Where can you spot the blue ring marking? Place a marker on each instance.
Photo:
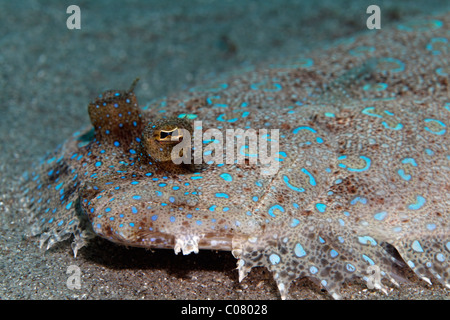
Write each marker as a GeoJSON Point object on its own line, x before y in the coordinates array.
{"type": "Point", "coordinates": [358, 199]}
{"type": "Point", "coordinates": [313, 270]}
{"type": "Point", "coordinates": [221, 118]}
{"type": "Point", "coordinates": [69, 205]}
{"type": "Point", "coordinates": [380, 215]}
{"type": "Point", "coordinates": [410, 161]}
{"type": "Point", "coordinates": [137, 197]}
{"type": "Point", "coordinates": [273, 208]}
{"type": "Point", "coordinates": [367, 259]}
{"type": "Point", "coordinates": [431, 226]}
{"type": "Point", "coordinates": [376, 87]}
{"type": "Point", "coordinates": [350, 267]}
{"type": "Point", "coordinates": [107, 210]}
{"type": "Point", "coordinates": [420, 201]}
{"type": "Point", "coordinates": [59, 186]}
{"type": "Point", "coordinates": [401, 65]}
{"type": "Point", "coordinates": [366, 159]}
{"type": "Point", "coordinates": [440, 133]}
{"type": "Point", "coordinates": [304, 128]}
{"type": "Point", "coordinates": [134, 210]}
{"type": "Point", "coordinates": [241, 151]}
{"type": "Point", "coordinates": [365, 240]}
{"type": "Point", "coordinates": [416, 246]}
{"type": "Point", "coordinates": [312, 181]}
{"type": "Point", "coordinates": [399, 126]}
{"type": "Point", "coordinates": [367, 112]}
{"type": "Point", "coordinates": [116, 143]}
{"type": "Point", "coordinates": [227, 177]}
{"type": "Point", "coordinates": [404, 176]}
{"type": "Point", "coordinates": [286, 181]}
{"type": "Point", "coordinates": [299, 251]}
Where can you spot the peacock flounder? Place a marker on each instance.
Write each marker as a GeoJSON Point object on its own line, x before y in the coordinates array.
{"type": "Point", "coordinates": [362, 166]}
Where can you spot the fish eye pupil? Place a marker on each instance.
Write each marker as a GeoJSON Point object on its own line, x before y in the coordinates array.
{"type": "Point", "coordinates": [172, 135]}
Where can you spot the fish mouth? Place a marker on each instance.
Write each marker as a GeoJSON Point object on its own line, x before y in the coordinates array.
{"type": "Point", "coordinates": [182, 242]}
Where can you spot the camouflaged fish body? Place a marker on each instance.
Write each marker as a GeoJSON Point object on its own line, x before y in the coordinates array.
{"type": "Point", "coordinates": [363, 167]}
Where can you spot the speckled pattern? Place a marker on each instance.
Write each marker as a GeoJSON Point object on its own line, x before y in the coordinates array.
{"type": "Point", "coordinates": [363, 154]}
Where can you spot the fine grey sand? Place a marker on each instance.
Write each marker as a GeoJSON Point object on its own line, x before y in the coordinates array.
{"type": "Point", "coordinates": [50, 73]}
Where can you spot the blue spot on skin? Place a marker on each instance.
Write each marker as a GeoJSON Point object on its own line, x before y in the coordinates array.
{"type": "Point", "coordinates": [226, 177]}
{"type": "Point", "coordinates": [286, 181]}
{"type": "Point", "coordinates": [334, 253]}
{"type": "Point", "coordinates": [313, 270]}
{"type": "Point", "coordinates": [321, 207]}
{"type": "Point", "coordinates": [222, 195]}
{"type": "Point", "coordinates": [312, 181]}
{"type": "Point", "coordinates": [134, 210]}
{"type": "Point", "coordinates": [136, 197]}
{"type": "Point", "coordinates": [420, 201]}
{"type": "Point", "coordinates": [416, 246]}
{"type": "Point", "coordinates": [116, 143]}
{"type": "Point", "coordinates": [274, 258]}
{"type": "Point", "coordinates": [295, 222]}
{"type": "Point", "coordinates": [107, 209]}
{"type": "Point", "coordinates": [98, 163]}
{"type": "Point", "coordinates": [380, 215]}
{"type": "Point", "coordinates": [69, 205]}
{"type": "Point", "coordinates": [299, 251]}
{"type": "Point", "coordinates": [367, 240]}
{"type": "Point", "coordinates": [172, 219]}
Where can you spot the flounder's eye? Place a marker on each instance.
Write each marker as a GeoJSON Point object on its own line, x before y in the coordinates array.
{"type": "Point", "coordinates": [160, 137]}
{"type": "Point", "coordinates": [171, 135]}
